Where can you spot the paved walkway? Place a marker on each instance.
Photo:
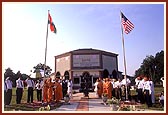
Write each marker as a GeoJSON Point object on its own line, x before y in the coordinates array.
{"type": "Point", "coordinates": [81, 103]}
{"type": "Point", "coordinates": [84, 104]}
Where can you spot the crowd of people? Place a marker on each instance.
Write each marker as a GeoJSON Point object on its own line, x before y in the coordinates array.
{"type": "Point", "coordinates": [47, 90]}
{"type": "Point", "coordinates": [146, 92]}
{"type": "Point", "coordinates": [143, 86]}
{"type": "Point", "coordinates": [111, 87]}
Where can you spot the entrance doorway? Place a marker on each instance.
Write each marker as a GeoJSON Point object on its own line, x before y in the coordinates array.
{"type": "Point", "coordinates": [86, 78]}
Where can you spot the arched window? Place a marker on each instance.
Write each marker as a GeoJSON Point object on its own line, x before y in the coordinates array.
{"type": "Point", "coordinates": [114, 74]}
{"type": "Point", "coordinates": [66, 75]}
{"type": "Point", "coordinates": [105, 73]}
{"type": "Point", "coordinates": [58, 75]}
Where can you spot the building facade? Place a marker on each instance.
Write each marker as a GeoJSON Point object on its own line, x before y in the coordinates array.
{"type": "Point", "coordinates": [92, 63]}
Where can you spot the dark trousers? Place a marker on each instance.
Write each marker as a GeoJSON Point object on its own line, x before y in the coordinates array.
{"type": "Point", "coordinates": [119, 93]}
{"type": "Point", "coordinates": [140, 95]}
{"type": "Point", "coordinates": [30, 95]}
{"type": "Point", "coordinates": [39, 94]}
{"type": "Point", "coordinates": [19, 93]}
{"type": "Point", "coordinates": [162, 103]}
{"type": "Point", "coordinates": [148, 98]}
{"type": "Point", "coordinates": [64, 91]}
{"type": "Point", "coordinates": [8, 96]}
{"type": "Point", "coordinates": [113, 92]}
{"type": "Point", "coordinates": [5, 96]}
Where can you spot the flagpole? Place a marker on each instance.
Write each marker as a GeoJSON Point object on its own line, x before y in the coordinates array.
{"type": "Point", "coordinates": [125, 70]}
{"type": "Point", "coordinates": [46, 46]}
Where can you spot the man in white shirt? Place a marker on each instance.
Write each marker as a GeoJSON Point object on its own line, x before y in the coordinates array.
{"type": "Point", "coordinates": [115, 87]}
{"type": "Point", "coordinates": [113, 90]}
{"type": "Point", "coordinates": [119, 88]}
{"type": "Point", "coordinates": [70, 85]}
{"type": "Point", "coordinates": [125, 82]}
{"type": "Point", "coordinates": [19, 90]}
{"type": "Point", "coordinates": [39, 85]}
{"type": "Point", "coordinates": [139, 85]}
{"type": "Point", "coordinates": [30, 86]}
{"type": "Point", "coordinates": [9, 90]}
{"type": "Point", "coordinates": [95, 87]}
{"type": "Point", "coordinates": [147, 91]}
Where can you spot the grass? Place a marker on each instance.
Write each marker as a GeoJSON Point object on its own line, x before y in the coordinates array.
{"type": "Point", "coordinates": [24, 106]}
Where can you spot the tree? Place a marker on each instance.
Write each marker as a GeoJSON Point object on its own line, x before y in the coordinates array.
{"type": "Point", "coordinates": [159, 58]}
{"type": "Point", "coordinates": [8, 73]}
{"type": "Point", "coordinates": [138, 72]}
{"type": "Point", "coordinates": [40, 67]}
{"type": "Point", "coordinates": [148, 66]}
{"type": "Point", "coordinates": [152, 67]}
{"type": "Point", "coordinates": [24, 77]}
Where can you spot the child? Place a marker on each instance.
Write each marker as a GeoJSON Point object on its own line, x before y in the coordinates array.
{"type": "Point", "coordinates": [161, 99]}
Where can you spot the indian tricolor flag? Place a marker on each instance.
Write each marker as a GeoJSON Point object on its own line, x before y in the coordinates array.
{"type": "Point", "coordinates": [52, 26]}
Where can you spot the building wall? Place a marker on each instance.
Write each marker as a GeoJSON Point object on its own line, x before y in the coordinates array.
{"type": "Point", "coordinates": [63, 64]}
{"type": "Point", "coordinates": [109, 63]}
{"type": "Point", "coordinates": [86, 61]}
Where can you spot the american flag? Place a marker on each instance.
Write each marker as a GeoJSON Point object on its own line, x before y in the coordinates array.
{"type": "Point", "coordinates": [127, 25]}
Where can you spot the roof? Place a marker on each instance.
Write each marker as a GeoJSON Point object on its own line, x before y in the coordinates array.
{"type": "Point", "coordinates": [86, 51]}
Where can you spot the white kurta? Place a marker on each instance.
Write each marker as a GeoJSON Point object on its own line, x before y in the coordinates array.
{"type": "Point", "coordinates": [69, 91]}
{"type": "Point", "coordinates": [95, 85]}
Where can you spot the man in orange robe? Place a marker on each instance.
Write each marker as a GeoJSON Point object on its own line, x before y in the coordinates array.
{"type": "Point", "coordinates": [100, 88]}
{"type": "Point", "coordinates": [45, 88]}
{"type": "Point", "coordinates": [49, 91]}
{"type": "Point", "coordinates": [105, 86]}
{"type": "Point", "coordinates": [109, 88]}
{"type": "Point", "coordinates": [58, 91]}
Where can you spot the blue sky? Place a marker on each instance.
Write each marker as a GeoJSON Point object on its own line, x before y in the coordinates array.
{"type": "Point", "coordinates": [79, 25]}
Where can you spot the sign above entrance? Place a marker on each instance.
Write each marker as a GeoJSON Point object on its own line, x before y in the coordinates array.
{"type": "Point", "coordinates": [86, 61]}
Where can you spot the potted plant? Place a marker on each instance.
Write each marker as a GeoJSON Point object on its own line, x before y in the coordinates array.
{"type": "Point", "coordinates": [104, 98]}
{"type": "Point", "coordinates": [127, 108]}
{"type": "Point", "coordinates": [47, 108]}
{"type": "Point", "coordinates": [66, 98]}
{"type": "Point", "coordinates": [114, 103]}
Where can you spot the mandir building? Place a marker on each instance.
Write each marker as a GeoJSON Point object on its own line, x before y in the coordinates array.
{"type": "Point", "coordinates": [92, 63]}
